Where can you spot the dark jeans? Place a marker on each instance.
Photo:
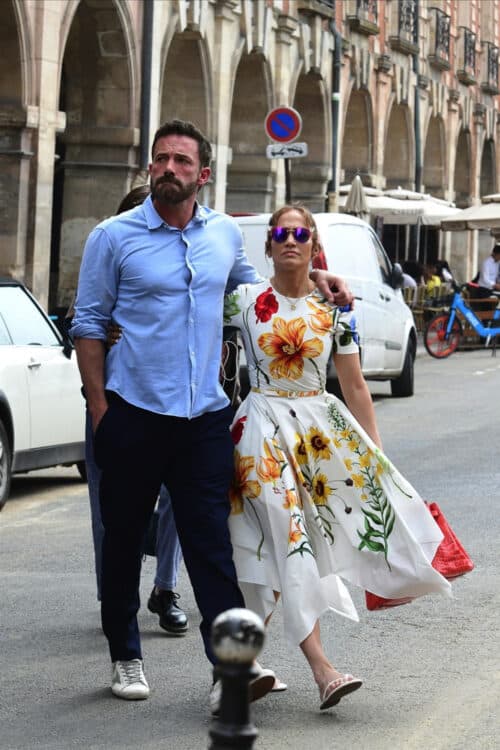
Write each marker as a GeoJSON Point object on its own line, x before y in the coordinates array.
{"type": "Point", "coordinates": [137, 451]}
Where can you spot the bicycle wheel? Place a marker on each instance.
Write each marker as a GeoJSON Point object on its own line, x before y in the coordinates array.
{"type": "Point", "coordinates": [437, 343]}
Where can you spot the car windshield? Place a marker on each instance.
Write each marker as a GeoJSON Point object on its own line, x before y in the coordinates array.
{"type": "Point", "coordinates": [24, 322]}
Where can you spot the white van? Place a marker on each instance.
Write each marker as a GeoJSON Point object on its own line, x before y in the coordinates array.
{"type": "Point", "coordinates": [353, 251]}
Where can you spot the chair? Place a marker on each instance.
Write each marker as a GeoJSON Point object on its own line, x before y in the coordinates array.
{"type": "Point", "coordinates": [419, 307]}
{"type": "Point", "coordinates": [409, 293]}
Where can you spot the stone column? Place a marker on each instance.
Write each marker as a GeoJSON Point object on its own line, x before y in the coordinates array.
{"type": "Point", "coordinates": [47, 120]}
{"type": "Point", "coordinates": [226, 34]}
{"type": "Point", "coordinates": [15, 158]}
{"type": "Point", "coordinates": [383, 93]}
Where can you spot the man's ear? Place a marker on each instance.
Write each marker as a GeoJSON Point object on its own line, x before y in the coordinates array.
{"type": "Point", "coordinates": [204, 176]}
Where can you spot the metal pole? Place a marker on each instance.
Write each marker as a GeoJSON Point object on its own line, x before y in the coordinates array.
{"type": "Point", "coordinates": [237, 638]}
{"type": "Point", "coordinates": [288, 182]}
{"type": "Point", "coordinates": [146, 62]}
{"type": "Point", "coordinates": [331, 197]}
{"type": "Point", "coordinates": [415, 229]}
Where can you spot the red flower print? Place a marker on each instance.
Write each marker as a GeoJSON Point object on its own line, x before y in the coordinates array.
{"type": "Point", "coordinates": [266, 305]}
{"type": "Point", "coordinates": [237, 430]}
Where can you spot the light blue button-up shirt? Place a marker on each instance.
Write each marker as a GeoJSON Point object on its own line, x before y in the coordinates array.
{"type": "Point", "coordinates": [165, 287]}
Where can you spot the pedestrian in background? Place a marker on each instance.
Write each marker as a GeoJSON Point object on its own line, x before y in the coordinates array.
{"type": "Point", "coordinates": [158, 410]}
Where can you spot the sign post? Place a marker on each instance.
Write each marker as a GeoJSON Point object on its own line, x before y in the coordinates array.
{"type": "Point", "coordinates": [283, 125]}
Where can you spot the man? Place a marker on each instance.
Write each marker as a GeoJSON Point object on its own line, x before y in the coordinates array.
{"type": "Point", "coordinates": [163, 599]}
{"type": "Point", "coordinates": [488, 275]}
{"type": "Point", "coordinates": [158, 410]}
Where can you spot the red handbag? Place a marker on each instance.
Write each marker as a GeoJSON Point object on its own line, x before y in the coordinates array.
{"type": "Point", "coordinates": [451, 560]}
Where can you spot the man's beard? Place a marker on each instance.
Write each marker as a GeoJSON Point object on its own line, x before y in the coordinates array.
{"type": "Point", "coordinates": [170, 192]}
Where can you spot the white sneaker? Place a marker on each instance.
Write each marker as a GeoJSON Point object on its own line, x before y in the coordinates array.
{"type": "Point", "coordinates": [128, 680]}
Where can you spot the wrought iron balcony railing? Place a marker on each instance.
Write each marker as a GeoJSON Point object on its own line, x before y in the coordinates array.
{"type": "Point", "coordinates": [489, 74]}
{"type": "Point", "coordinates": [362, 16]}
{"type": "Point", "coordinates": [404, 26]}
{"type": "Point", "coordinates": [439, 43]}
{"type": "Point", "coordinates": [466, 46]}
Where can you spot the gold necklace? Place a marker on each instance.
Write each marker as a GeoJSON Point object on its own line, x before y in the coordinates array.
{"type": "Point", "coordinates": [293, 301]}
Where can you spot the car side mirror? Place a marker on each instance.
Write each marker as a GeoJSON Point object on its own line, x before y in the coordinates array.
{"type": "Point", "coordinates": [68, 345]}
{"type": "Point", "coordinates": [396, 279]}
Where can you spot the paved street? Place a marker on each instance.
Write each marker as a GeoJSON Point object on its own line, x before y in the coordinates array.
{"type": "Point", "coordinates": [432, 678]}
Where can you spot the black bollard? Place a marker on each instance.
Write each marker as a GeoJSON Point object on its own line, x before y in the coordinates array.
{"type": "Point", "coordinates": [237, 638]}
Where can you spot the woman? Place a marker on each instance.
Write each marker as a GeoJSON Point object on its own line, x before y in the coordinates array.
{"type": "Point", "coordinates": [432, 280]}
{"type": "Point", "coordinates": [313, 496]}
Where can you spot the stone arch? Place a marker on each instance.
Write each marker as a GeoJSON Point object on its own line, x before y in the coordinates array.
{"type": "Point", "coordinates": [309, 175]}
{"type": "Point", "coordinates": [357, 157]}
{"type": "Point", "coordinates": [488, 178]}
{"type": "Point", "coordinates": [113, 9]}
{"type": "Point", "coordinates": [187, 97]}
{"type": "Point", "coordinates": [249, 179]}
{"type": "Point", "coordinates": [96, 65]}
{"type": "Point", "coordinates": [95, 157]}
{"type": "Point", "coordinates": [399, 152]}
{"type": "Point", "coordinates": [462, 181]}
{"type": "Point", "coordinates": [15, 139]}
{"type": "Point", "coordinates": [15, 36]}
{"type": "Point", "coordinates": [434, 176]}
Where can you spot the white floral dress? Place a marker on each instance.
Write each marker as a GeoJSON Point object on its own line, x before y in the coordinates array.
{"type": "Point", "coordinates": [314, 500]}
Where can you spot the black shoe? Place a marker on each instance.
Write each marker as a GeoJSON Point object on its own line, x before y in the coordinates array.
{"type": "Point", "coordinates": [172, 618]}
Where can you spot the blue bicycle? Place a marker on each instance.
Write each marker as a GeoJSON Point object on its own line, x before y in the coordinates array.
{"type": "Point", "coordinates": [444, 331]}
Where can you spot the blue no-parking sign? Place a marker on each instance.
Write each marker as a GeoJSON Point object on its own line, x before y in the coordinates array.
{"type": "Point", "coordinates": [283, 124]}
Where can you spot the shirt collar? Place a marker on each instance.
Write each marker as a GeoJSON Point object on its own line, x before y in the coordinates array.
{"type": "Point", "coordinates": [154, 220]}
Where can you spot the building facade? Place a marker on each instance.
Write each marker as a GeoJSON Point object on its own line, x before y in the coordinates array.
{"type": "Point", "coordinates": [401, 92]}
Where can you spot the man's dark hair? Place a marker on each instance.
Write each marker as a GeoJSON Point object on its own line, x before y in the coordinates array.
{"type": "Point", "coordinates": [183, 127]}
{"type": "Point", "coordinates": [496, 249]}
{"type": "Point", "coordinates": [136, 196]}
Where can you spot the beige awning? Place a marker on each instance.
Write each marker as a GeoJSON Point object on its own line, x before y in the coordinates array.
{"type": "Point", "coordinates": [407, 208]}
{"type": "Point", "coordinates": [486, 215]}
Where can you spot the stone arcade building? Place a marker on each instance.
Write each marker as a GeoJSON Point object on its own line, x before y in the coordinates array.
{"type": "Point", "coordinates": [84, 84]}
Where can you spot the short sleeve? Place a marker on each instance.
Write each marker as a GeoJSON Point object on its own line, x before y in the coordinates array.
{"type": "Point", "coordinates": [345, 333]}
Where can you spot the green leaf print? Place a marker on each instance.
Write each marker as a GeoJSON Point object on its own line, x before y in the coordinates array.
{"type": "Point", "coordinates": [335, 418]}
{"type": "Point", "coordinates": [379, 516]}
{"type": "Point", "coordinates": [347, 336]}
{"type": "Point", "coordinates": [302, 550]}
{"type": "Point", "coordinates": [231, 306]}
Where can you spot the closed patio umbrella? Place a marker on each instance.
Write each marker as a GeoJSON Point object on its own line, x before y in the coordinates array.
{"type": "Point", "coordinates": [356, 204]}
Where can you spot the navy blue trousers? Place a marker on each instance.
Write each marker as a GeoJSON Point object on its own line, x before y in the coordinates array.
{"type": "Point", "coordinates": [137, 451]}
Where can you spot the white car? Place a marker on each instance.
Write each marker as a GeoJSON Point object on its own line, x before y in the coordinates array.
{"type": "Point", "coordinates": [388, 338]}
{"type": "Point", "coordinates": [42, 410]}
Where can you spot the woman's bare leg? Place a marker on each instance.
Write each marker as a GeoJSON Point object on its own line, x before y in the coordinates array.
{"type": "Point", "coordinates": [323, 671]}
{"type": "Point", "coordinates": [278, 685]}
